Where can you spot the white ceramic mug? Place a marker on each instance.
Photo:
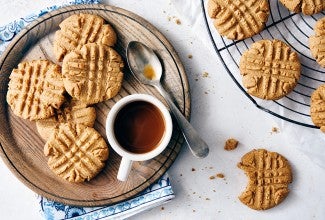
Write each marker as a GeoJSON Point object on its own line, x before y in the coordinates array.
{"type": "Point", "coordinates": [127, 156]}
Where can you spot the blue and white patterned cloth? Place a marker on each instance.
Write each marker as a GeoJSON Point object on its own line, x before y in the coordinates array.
{"type": "Point", "coordinates": [153, 196]}
{"type": "Point", "coordinates": [9, 31]}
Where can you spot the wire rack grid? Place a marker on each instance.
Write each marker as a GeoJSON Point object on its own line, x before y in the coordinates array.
{"type": "Point", "coordinates": [293, 29]}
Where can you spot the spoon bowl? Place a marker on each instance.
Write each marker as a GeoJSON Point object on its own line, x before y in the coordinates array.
{"type": "Point", "coordinates": [147, 69]}
{"type": "Point", "coordinates": [142, 59]}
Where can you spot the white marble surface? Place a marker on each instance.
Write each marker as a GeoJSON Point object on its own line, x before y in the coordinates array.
{"type": "Point", "coordinates": [219, 111]}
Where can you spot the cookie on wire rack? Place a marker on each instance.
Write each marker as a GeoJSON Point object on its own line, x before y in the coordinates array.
{"type": "Point", "coordinates": [270, 69]}
{"type": "Point", "coordinates": [80, 29]}
{"type": "Point", "coordinates": [269, 175]}
{"type": "Point", "coordinates": [317, 42]}
{"type": "Point", "coordinates": [93, 73]}
{"type": "Point", "coordinates": [239, 19]}
{"type": "Point", "coordinates": [35, 89]}
{"type": "Point", "coordinates": [317, 107]}
{"type": "Point", "coordinates": [307, 7]}
{"type": "Point", "coordinates": [76, 152]}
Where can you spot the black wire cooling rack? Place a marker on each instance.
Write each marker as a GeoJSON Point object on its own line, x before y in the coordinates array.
{"type": "Point", "coordinates": [292, 28]}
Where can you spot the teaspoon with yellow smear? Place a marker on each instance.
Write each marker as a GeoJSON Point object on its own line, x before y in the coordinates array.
{"type": "Point", "coordinates": [147, 69]}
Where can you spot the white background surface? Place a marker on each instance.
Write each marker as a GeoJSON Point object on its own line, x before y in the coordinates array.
{"type": "Point", "coordinates": [219, 111]}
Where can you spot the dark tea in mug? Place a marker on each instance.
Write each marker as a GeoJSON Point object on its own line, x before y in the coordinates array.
{"type": "Point", "coordinates": [139, 127]}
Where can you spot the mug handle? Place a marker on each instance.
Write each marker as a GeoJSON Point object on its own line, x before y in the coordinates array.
{"type": "Point", "coordinates": [125, 168]}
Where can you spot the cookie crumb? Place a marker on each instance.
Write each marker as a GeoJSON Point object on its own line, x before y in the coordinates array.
{"type": "Point", "coordinates": [212, 177]}
{"type": "Point", "coordinates": [178, 22]}
{"type": "Point", "coordinates": [231, 144]}
{"type": "Point", "coordinates": [190, 56]}
{"type": "Point", "coordinates": [162, 208]}
{"type": "Point", "coordinates": [193, 169]}
{"type": "Point", "coordinates": [205, 74]}
{"type": "Point", "coordinates": [275, 130]}
{"type": "Point", "coordinates": [220, 175]}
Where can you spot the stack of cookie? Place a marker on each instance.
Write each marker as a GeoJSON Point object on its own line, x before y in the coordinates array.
{"type": "Point", "coordinates": [58, 98]}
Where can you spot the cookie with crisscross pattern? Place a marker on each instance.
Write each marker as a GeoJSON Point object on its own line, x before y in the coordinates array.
{"type": "Point", "coordinates": [71, 111]}
{"type": "Point", "coordinates": [317, 107]}
{"type": "Point", "coordinates": [308, 7]}
{"type": "Point", "coordinates": [269, 175]}
{"type": "Point", "coordinates": [270, 69]}
{"type": "Point", "coordinates": [317, 42]}
{"type": "Point", "coordinates": [93, 73]}
{"type": "Point", "coordinates": [80, 29]}
{"type": "Point", "coordinates": [76, 152]}
{"type": "Point", "coordinates": [35, 89]}
{"type": "Point", "coordinates": [239, 19]}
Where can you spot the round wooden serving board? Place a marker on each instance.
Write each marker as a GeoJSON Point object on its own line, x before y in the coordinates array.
{"type": "Point", "coordinates": [22, 147]}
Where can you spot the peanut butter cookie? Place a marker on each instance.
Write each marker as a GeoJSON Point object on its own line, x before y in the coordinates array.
{"type": "Point", "coordinates": [270, 69]}
{"type": "Point", "coordinates": [76, 152]}
{"type": "Point", "coordinates": [35, 89]}
{"type": "Point", "coordinates": [240, 19]}
{"type": "Point", "coordinates": [308, 7]}
{"type": "Point", "coordinates": [269, 175]}
{"type": "Point", "coordinates": [73, 111]}
{"type": "Point", "coordinates": [80, 29]}
{"type": "Point", "coordinates": [317, 107]}
{"type": "Point", "coordinates": [93, 73]}
{"type": "Point", "coordinates": [317, 42]}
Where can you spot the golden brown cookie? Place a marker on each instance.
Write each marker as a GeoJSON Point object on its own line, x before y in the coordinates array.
{"type": "Point", "coordinates": [239, 19]}
{"type": "Point", "coordinates": [317, 107]}
{"type": "Point", "coordinates": [35, 89]}
{"type": "Point", "coordinates": [317, 42]}
{"type": "Point", "coordinates": [269, 175]}
{"type": "Point", "coordinates": [93, 73]}
{"type": "Point", "coordinates": [76, 152]}
{"type": "Point", "coordinates": [308, 7]}
{"type": "Point", "coordinates": [80, 29]}
{"type": "Point", "coordinates": [73, 111]}
{"type": "Point", "coordinates": [270, 69]}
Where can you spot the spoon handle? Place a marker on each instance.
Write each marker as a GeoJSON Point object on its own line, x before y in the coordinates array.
{"type": "Point", "coordinates": [197, 146]}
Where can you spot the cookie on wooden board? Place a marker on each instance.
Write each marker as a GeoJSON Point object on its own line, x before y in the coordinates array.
{"type": "Point", "coordinates": [270, 69]}
{"type": "Point", "coordinates": [76, 152]}
{"type": "Point", "coordinates": [317, 42]}
{"type": "Point", "coordinates": [72, 111]}
{"type": "Point", "coordinates": [93, 73]}
{"type": "Point", "coordinates": [269, 175]}
{"type": "Point", "coordinates": [35, 89]}
{"type": "Point", "coordinates": [240, 19]}
{"type": "Point", "coordinates": [80, 29]}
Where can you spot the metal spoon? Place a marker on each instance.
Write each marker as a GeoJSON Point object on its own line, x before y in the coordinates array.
{"type": "Point", "coordinates": [147, 69]}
